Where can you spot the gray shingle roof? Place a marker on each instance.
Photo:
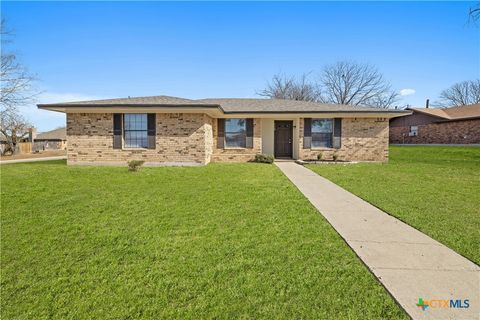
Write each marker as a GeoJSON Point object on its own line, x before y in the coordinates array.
{"type": "Point", "coordinates": [227, 105]}
{"type": "Point", "coordinates": [279, 105]}
{"type": "Point", "coordinates": [57, 134]}
{"type": "Point", "coordinates": [134, 100]}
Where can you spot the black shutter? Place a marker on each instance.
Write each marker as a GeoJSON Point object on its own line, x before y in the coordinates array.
{"type": "Point", "coordinates": [151, 128]}
{"type": "Point", "coordinates": [117, 131]}
{"type": "Point", "coordinates": [337, 133]}
{"type": "Point", "coordinates": [307, 133]}
{"type": "Point", "coordinates": [249, 142]}
{"type": "Point", "coordinates": [221, 133]}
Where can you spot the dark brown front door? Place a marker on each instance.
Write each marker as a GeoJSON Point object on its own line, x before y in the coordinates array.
{"type": "Point", "coordinates": [283, 139]}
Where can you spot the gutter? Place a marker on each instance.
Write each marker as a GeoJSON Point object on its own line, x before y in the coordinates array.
{"type": "Point", "coordinates": [109, 105]}
{"type": "Point", "coordinates": [321, 111]}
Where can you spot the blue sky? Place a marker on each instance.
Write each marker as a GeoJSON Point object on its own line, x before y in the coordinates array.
{"type": "Point", "coordinates": [87, 50]}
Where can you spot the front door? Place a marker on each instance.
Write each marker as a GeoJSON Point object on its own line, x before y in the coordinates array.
{"type": "Point", "coordinates": [283, 139]}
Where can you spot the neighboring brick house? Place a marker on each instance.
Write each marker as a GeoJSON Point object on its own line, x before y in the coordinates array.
{"type": "Point", "coordinates": [164, 130]}
{"type": "Point", "coordinates": [51, 140]}
{"type": "Point", "coordinates": [456, 125]}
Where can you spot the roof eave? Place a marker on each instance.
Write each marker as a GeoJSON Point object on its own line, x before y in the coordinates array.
{"type": "Point", "coordinates": [78, 107]}
{"type": "Point", "coordinates": [111, 105]}
{"type": "Point", "coordinates": [320, 111]}
{"type": "Point", "coordinates": [429, 113]}
{"type": "Point", "coordinates": [460, 119]}
{"type": "Point", "coordinates": [313, 114]}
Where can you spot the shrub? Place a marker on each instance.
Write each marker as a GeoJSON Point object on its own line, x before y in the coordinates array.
{"type": "Point", "coordinates": [320, 156]}
{"type": "Point", "coordinates": [134, 165]}
{"type": "Point", "coordinates": [264, 158]}
{"type": "Point", "coordinates": [335, 156]}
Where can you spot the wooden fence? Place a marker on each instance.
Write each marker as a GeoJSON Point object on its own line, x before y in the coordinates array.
{"type": "Point", "coordinates": [24, 147]}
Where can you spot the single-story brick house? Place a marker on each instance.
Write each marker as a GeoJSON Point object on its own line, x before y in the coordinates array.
{"type": "Point", "coordinates": [51, 140]}
{"type": "Point", "coordinates": [455, 125]}
{"type": "Point", "coordinates": [163, 130]}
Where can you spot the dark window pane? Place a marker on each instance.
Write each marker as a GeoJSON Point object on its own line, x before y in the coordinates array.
{"type": "Point", "coordinates": [322, 125]}
{"type": "Point", "coordinates": [235, 125]}
{"type": "Point", "coordinates": [322, 133]}
{"type": "Point", "coordinates": [322, 140]}
{"type": "Point", "coordinates": [135, 130]}
{"type": "Point", "coordinates": [235, 133]}
{"type": "Point", "coordinates": [235, 140]}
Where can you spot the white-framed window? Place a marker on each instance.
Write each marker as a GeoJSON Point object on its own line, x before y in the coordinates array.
{"type": "Point", "coordinates": [135, 130]}
{"type": "Point", "coordinates": [235, 133]}
{"type": "Point", "coordinates": [413, 131]}
{"type": "Point", "coordinates": [322, 133]}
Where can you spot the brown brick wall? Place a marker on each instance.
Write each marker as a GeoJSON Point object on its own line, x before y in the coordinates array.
{"type": "Point", "coordinates": [181, 138]}
{"type": "Point", "coordinates": [208, 138]}
{"type": "Point", "coordinates": [238, 154]}
{"type": "Point", "coordinates": [363, 139]}
{"type": "Point", "coordinates": [192, 138]}
{"type": "Point", "coordinates": [454, 132]}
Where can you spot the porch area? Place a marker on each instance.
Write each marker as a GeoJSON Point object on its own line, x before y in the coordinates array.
{"type": "Point", "coordinates": [280, 137]}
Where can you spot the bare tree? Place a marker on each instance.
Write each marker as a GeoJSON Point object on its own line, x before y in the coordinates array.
{"type": "Point", "coordinates": [461, 93]}
{"type": "Point", "coordinates": [356, 84]}
{"type": "Point", "coordinates": [291, 88]}
{"type": "Point", "coordinates": [14, 128]}
{"type": "Point", "coordinates": [474, 13]}
{"type": "Point", "coordinates": [16, 90]}
{"type": "Point", "coordinates": [16, 82]}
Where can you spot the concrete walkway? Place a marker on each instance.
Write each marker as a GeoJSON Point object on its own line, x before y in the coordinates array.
{"type": "Point", "coordinates": [33, 159]}
{"type": "Point", "coordinates": [407, 262]}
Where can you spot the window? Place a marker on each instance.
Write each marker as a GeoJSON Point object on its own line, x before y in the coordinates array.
{"type": "Point", "coordinates": [235, 133]}
{"type": "Point", "coordinates": [322, 133]}
{"type": "Point", "coordinates": [135, 130]}
{"type": "Point", "coordinates": [413, 131]}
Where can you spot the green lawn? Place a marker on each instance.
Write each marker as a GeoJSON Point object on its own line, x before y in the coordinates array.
{"type": "Point", "coordinates": [221, 241]}
{"type": "Point", "coordinates": [434, 189]}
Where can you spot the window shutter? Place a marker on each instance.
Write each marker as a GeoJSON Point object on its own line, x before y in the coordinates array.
{"type": "Point", "coordinates": [151, 129]}
{"type": "Point", "coordinates": [307, 133]}
{"type": "Point", "coordinates": [221, 133]}
{"type": "Point", "coordinates": [337, 133]}
{"type": "Point", "coordinates": [117, 131]}
{"type": "Point", "coordinates": [249, 142]}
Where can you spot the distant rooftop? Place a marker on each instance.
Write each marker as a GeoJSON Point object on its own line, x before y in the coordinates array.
{"type": "Point", "coordinates": [57, 134]}
{"type": "Point", "coordinates": [452, 113]}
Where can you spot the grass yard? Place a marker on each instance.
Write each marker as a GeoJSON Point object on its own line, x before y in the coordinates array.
{"type": "Point", "coordinates": [220, 241]}
{"type": "Point", "coordinates": [434, 189]}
